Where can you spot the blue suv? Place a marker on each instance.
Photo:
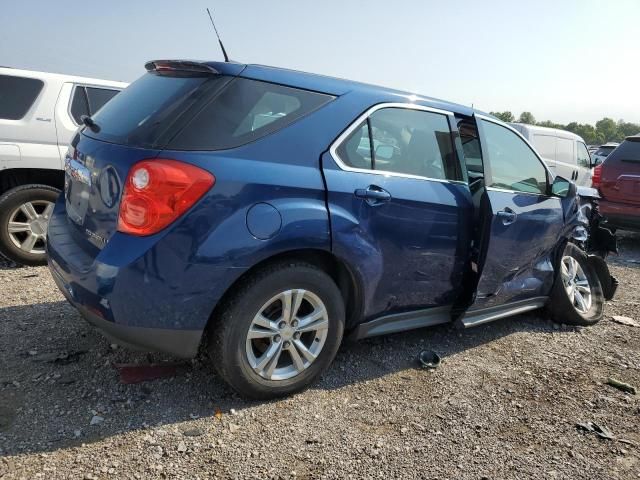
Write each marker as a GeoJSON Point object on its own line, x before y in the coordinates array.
{"type": "Point", "coordinates": [260, 214]}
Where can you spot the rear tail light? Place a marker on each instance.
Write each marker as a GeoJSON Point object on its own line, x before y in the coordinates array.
{"type": "Point", "coordinates": [157, 192]}
{"type": "Point", "coordinates": [596, 179]}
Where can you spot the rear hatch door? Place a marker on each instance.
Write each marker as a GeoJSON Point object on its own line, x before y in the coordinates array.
{"type": "Point", "coordinates": [135, 125]}
{"type": "Point", "coordinates": [621, 173]}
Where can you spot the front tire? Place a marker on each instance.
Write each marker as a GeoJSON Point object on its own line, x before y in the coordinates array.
{"type": "Point", "coordinates": [279, 332]}
{"type": "Point", "coordinates": [24, 216]}
{"type": "Point", "coordinates": [577, 297]}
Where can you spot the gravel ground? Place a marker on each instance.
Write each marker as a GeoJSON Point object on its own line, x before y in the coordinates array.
{"type": "Point", "coordinates": [503, 404]}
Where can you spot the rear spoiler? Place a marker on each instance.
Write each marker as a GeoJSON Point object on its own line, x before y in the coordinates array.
{"type": "Point", "coordinates": [179, 65]}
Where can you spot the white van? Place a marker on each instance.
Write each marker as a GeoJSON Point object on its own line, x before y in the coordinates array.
{"type": "Point", "coordinates": [564, 152]}
{"type": "Point", "coordinates": [39, 114]}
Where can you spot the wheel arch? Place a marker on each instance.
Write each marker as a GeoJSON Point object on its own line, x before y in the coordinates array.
{"type": "Point", "coordinates": [338, 270]}
{"type": "Point", "coordinates": [16, 177]}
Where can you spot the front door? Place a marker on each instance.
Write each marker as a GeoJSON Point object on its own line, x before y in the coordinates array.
{"type": "Point", "coordinates": [522, 220]}
{"type": "Point", "coordinates": [400, 216]}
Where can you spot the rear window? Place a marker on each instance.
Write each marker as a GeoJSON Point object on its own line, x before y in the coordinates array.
{"type": "Point", "coordinates": [244, 111]}
{"type": "Point", "coordinates": [17, 95]}
{"type": "Point", "coordinates": [200, 112]}
{"type": "Point", "coordinates": [604, 151]}
{"type": "Point", "coordinates": [628, 151]}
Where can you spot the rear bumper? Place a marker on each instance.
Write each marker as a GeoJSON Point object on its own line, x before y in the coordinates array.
{"type": "Point", "coordinates": [181, 343]}
{"type": "Point", "coordinates": [149, 293]}
{"type": "Point", "coordinates": [620, 215]}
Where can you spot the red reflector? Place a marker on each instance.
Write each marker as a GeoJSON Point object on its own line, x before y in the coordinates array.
{"type": "Point", "coordinates": [597, 176]}
{"type": "Point", "coordinates": [157, 192]}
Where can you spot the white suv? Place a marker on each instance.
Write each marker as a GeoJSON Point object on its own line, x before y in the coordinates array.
{"type": "Point", "coordinates": [39, 113]}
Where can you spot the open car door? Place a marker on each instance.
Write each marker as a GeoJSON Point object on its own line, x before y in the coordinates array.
{"type": "Point", "coordinates": [519, 227]}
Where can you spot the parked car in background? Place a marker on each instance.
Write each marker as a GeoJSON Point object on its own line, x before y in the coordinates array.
{"type": "Point", "coordinates": [262, 213]}
{"type": "Point", "coordinates": [592, 149]}
{"type": "Point", "coordinates": [618, 180]}
{"type": "Point", "coordinates": [603, 151]}
{"type": "Point", "coordinates": [39, 113]}
{"type": "Point", "coordinates": [564, 152]}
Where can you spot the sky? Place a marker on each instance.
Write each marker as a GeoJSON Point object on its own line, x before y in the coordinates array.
{"type": "Point", "coordinates": [563, 60]}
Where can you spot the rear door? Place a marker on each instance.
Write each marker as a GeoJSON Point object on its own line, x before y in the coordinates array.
{"type": "Point", "coordinates": [400, 212]}
{"type": "Point", "coordinates": [621, 174]}
{"type": "Point", "coordinates": [522, 221]}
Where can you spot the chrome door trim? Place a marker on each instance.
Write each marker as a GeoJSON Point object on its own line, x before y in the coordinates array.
{"type": "Point", "coordinates": [356, 123]}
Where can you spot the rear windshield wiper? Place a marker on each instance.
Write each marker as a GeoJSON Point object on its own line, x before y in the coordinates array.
{"type": "Point", "coordinates": [90, 124]}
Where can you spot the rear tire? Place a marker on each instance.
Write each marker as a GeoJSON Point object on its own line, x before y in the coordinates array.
{"type": "Point", "coordinates": [255, 323]}
{"type": "Point", "coordinates": [24, 216]}
{"type": "Point", "coordinates": [577, 297]}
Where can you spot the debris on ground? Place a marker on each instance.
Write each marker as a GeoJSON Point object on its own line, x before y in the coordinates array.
{"type": "Point", "coordinates": [593, 427]}
{"type": "Point", "coordinates": [625, 387]}
{"type": "Point", "coordinates": [625, 321]}
{"type": "Point", "coordinates": [133, 373]}
{"type": "Point", "coordinates": [69, 357]}
{"type": "Point", "coordinates": [96, 420]}
{"type": "Point", "coordinates": [428, 359]}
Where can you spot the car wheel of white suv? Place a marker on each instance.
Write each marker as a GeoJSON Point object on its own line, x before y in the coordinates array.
{"type": "Point", "coordinates": [24, 218]}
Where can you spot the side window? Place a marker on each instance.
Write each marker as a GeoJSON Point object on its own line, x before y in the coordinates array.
{"type": "Point", "coordinates": [545, 145]}
{"type": "Point", "coordinates": [79, 104]}
{"type": "Point", "coordinates": [17, 96]}
{"type": "Point", "coordinates": [97, 97]}
{"type": "Point", "coordinates": [565, 151]}
{"type": "Point", "coordinates": [584, 159]}
{"type": "Point", "coordinates": [514, 166]}
{"type": "Point", "coordinates": [471, 147]}
{"type": "Point", "coordinates": [402, 140]}
{"type": "Point", "coordinates": [355, 150]}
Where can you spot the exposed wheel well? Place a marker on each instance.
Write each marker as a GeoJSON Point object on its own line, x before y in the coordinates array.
{"type": "Point", "coordinates": [321, 259]}
{"type": "Point", "coordinates": [14, 177]}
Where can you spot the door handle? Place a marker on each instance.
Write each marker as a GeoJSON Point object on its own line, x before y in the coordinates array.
{"type": "Point", "coordinates": [373, 195]}
{"type": "Point", "coordinates": [507, 216]}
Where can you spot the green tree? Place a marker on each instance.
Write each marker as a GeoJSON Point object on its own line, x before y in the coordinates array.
{"type": "Point", "coordinates": [608, 129]}
{"type": "Point", "coordinates": [504, 116]}
{"type": "Point", "coordinates": [527, 117]}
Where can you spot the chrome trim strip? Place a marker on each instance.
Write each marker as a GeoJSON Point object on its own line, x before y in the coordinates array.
{"type": "Point", "coordinates": [409, 106]}
{"type": "Point", "coordinates": [506, 190]}
{"type": "Point", "coordinates": [472, 319]}
{"type": "Point", "coordinates": [400, 322]}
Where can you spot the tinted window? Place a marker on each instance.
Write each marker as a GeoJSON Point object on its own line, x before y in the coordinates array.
{"type": "Point", "coordinates": [564, 151]}
{"type": "Point", "coordinates": [604, 151]}
{"type": "Point", "coordinates": [514, 166]}
{"type": "Point", "coordinates": [628, 151]}
{"type": "Point", "coordinates": [79, 104]}
{"type": "Point", "coordinates": [243, 112]}
{"type": "Point", "coordinates": [412, 142]}
{"type": "Point", "coordinates": [584, 159]}
{"type": "Point", "coordinates": [17, 95]}
{"type": "Point", "coordinates": [141, 113]}
{"type": "Point", "coordinates": [98, 97]}
{"type": "Point", "coordinates": [471, 147]}
{"type": "Point", "coordinates": [355, 150]}
{"type": "Point", "coordinates": [545, 145]}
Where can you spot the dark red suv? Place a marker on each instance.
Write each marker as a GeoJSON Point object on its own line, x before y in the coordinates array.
{"type": "Point", "coordinates": [618, 180]}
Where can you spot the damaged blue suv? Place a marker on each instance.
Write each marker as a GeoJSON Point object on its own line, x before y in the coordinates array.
{"type": "Point", "coordinates": [259, 215]}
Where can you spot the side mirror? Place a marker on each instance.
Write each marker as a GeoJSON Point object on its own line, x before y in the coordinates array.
{"type": "Point", "coordinates": [563, 188]}
{"type": "Point", "coordinates": [384, 152]}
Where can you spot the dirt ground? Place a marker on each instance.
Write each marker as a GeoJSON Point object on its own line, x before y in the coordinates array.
{"type": "Point", "coordinates": [503, 404]}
